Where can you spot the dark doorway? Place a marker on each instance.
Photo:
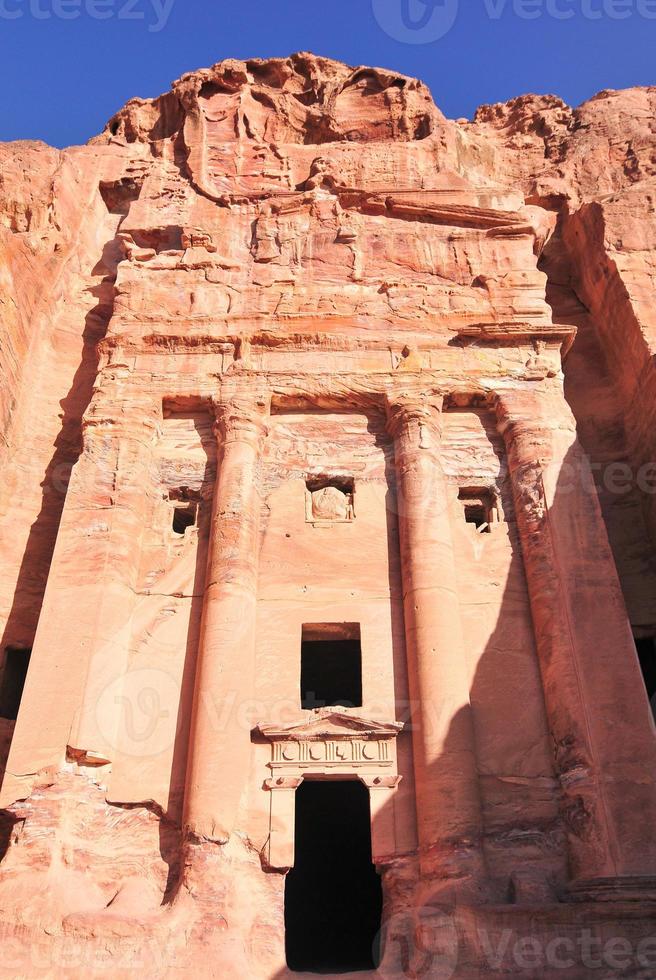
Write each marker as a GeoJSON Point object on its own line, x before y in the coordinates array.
{"type": "Point", "coordinates": [331, 667]}
{"type": "Point", "coordinates": [333, 895]}
{"type": "Point", "coordinates": [17, 660]}
{"type": "Point", "coordinates": [646, 649]}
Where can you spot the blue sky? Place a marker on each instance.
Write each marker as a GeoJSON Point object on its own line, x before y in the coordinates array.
{"type": "Point", "coordinates": [67, 65]}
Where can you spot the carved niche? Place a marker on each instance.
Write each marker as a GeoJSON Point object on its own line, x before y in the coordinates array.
{"type": "Point", "coordinates": [329, 500]}
{"type": "Point", "coordinates": [331, 745]}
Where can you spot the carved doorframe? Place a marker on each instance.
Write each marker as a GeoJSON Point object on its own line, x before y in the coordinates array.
{"type": "Point", "coordinates": [331, 745]}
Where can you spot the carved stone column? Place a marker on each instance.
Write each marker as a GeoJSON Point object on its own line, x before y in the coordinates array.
{"type": "Point", "coordinates": [96, 734]}
{"type": "Point", "coordinates": [219, 749]}
{"type": "Point", "coordinates": [598, 712]}
{"type": "Point", "coordinates": [447, 791]}
{"type": "Point", "coordinates": [83, 636]}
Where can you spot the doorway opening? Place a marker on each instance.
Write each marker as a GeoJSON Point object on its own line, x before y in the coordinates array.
{"type": "Point", "coordinates": [646, 650]}
{"type": "Point", "coordinates": [333, 894]}
{"type": "Point", "coordinates": [12, 681]}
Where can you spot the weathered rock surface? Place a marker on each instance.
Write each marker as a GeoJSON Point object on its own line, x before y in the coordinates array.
{"type": "Point", "coordinates": [320, 244]}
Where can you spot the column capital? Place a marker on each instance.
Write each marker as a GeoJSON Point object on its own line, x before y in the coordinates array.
{"type": "Point", "coordinates": [532, 412]}
{"type": "Point", "coordinates": [120, 420]}
{"type": "Point", "coordinates": [408, 411]}
{"type": "Point", "coordinates": [240, 418]}
{"type": "Point", "coordinates": [371, 781]}
{"type": "Point", "coordinates": [516, 408]}
{"type": "Point", "coordinates": [283, 782]}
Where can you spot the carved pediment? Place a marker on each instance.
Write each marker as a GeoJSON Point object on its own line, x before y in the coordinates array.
{"type": "Point", "coordinates": [330, 724]}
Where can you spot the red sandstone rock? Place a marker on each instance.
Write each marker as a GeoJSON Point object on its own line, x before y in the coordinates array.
{"type": "Point", "coordinates": [266, 343]}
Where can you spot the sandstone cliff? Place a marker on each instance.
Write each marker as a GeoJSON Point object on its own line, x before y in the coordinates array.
{"type": "Point", "coordinates": [275, 218]}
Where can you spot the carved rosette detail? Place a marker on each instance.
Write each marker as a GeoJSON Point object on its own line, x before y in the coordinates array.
{"type": "Point", "coordinates": [333, 751]}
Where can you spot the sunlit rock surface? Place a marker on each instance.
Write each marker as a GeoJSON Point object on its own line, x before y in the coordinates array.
{"type": "Point", "coordinates": [289, 358]}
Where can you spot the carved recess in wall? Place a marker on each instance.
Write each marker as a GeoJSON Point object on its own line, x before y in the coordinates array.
{"type": "Point", "coordinates": [329, 500]}
{"type": "Point", "coordinates": [331, 745]}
